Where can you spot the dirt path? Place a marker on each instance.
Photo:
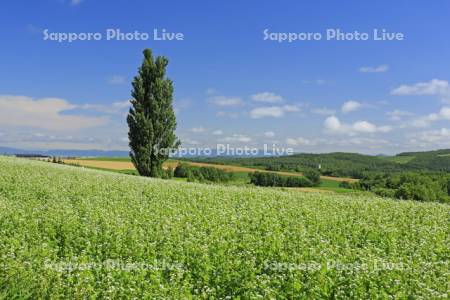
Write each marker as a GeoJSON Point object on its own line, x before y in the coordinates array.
{"type": "Point", "coordinates": [122, 165]}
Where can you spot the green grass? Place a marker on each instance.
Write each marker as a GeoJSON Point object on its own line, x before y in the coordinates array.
{"type": "Point", "coordinates": [68, 232]}
{"type": "Point", "coordinates": [239, 178]}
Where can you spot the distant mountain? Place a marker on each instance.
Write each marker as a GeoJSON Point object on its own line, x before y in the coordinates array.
{"type": "Point", "coordinates": [68, 152]}
{"type": "Point", "coordinates": [117, 153]}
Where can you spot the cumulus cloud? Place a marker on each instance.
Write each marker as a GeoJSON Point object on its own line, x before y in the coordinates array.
{"type": "Point", "coordinates": [434, 87]}
{"type": "Point", "coordinates": [443, 114]}
{"type": "Point", "coordinates": [299, 141]}
{"type": "Point", "coordinates": [45, 113]}
{"type": "Point", "coordinates": [333, 125]}
{"type": "Point", "coordinates": [225, 101]}
{"type": "Point", "coordinates": [189, 142]}
{"type": "Point", "coordinates": [440, 136]}
{"type": "Point", "coordinates": [350, 106]}
{"type": "Point", "coordinates": [269, 134]}
{"type": "Point", "coordinates": [378, 69]}
{"type": "Point", "coordinates": [398, 115]}
{"type": "Point", "coordinates": [272, 111]}
{"type": "Point", "coordinates": [217, 132]}
{"type": "Point", "coordinates": [240, 138]}
{"type": "Point", "coordinates": [118, 107]}
{"type": "Point", "coordinates": [198, 129]}
{"type": "Point", "coordinates": [267, 97]}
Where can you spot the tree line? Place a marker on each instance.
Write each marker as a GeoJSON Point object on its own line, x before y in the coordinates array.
{"type": "Point", "coordinates": [202, 174]}
{"type": "Point", "coordinates": [420, 186]}
{"type": "Point", "coordinates": [310, 179]}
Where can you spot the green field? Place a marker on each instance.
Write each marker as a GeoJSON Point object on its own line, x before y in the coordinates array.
{"type": "Point", "coordinates": [239, 177]}
{"type": "Point", "coordinates": [398, 159]}
{"type": "Point", "coordinates": [101, 158]}
{"type": "Point", "coordinates": [73, 233]}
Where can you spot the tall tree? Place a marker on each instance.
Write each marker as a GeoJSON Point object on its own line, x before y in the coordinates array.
{"type": "Point", "coordinates": [151, 119]}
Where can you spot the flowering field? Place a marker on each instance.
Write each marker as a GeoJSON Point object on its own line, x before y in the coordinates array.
{"type": "Point", "coordinates": [68, 232]}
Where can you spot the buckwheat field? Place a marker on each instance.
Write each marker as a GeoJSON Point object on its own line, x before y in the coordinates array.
{"type": "Point", "coordinates": [68, 232]}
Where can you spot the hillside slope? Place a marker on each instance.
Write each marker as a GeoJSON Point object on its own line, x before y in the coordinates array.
{"type": "Point", "coordinates": [342, 164]}
{"type": "Point", "coordinates": [68, 232]}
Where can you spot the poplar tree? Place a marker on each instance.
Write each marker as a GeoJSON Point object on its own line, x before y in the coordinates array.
{"type": "Point", "coordinates": [151, 119]}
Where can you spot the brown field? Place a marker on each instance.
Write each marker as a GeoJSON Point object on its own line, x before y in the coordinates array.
{"type": "Point", "coordinates": [121, 165]}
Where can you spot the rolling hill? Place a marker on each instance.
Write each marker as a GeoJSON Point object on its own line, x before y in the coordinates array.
{"type": "Point", "coordinates": [341, 164]}
{"type": "Point", "coordinates": [68, 232]}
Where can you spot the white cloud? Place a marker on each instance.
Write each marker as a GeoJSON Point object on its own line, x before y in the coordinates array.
{"type": "Point", "coordinates": [333, 125]}
{"type": "Point", "coordinates": [441, 137]}
{"type": "Point", "coordinates": [117, 80]}
{"type": "Point", "coordinates": [350, 106]}
{"type": "Point", "coordinates": [217, 132]}
{"type": "Point", "coordinates": [272, 111]}
{"type": "Point", "coordinates": [367, 127]}
{"type": "Point", "coordinates": [378, 69]}
{"type": "Point", "coordinates": [299, 142]}
{"type": "Point", "coordinates": [323, 111]}
{"type": "Point", "coordinates": [190, 142]}
{"type": "Point", "coordinates": [398, 115]}
{"type": "Point", "coordinates": [290, 108]}
{"type": "Point", "coordinates": [45, 113]}
{"type": "Point", "coordinates": [269, 134]}
{"type": "Point", "coordinates": [434, 87]}
{"type": "Point", "coordinates": [225, 101]}
{"type": "Point", "coordinates": [118, 107]}
{"type": "Point", "coordinates": [443, 114]}
{"type": "Point", "coordinates": [267, 97]}
{"type": "Point", "coordinates": [237, 138]}
{"type": "Point", "coordinates": [198, 129]}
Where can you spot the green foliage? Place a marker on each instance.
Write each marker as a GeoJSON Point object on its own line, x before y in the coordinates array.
{"type": "Point", "coordinates": [332, 164]}
{"type": "Point", "coordinates": [438, 160]}
{"type": "Point", "coordinates": [202, 174]}
{"type": "Point", "coordinates": [56, 160]}
{"type": "Point", "coordinates": [420, 186]}
{"type": "Point", "coordinates": [346, 185]}
{"type": "Point", "coordinates": [345, 164]}
{"type": "Point", "coordinates": [273, 179]}
{"type": "Point", "coordinates": [151, 119]}
{"type": "Point", "coordinates": [73, 233]}
{"type": "Point", "coordinates": [313, 176]}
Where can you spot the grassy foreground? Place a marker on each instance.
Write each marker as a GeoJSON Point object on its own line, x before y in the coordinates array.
{"type": "Point", "coordinates": [67, 232]}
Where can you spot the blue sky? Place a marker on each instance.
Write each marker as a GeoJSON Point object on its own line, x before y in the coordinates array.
{"type": "Point", "coordinates": [231, 85]}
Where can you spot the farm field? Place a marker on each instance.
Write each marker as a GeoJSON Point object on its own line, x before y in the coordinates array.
{"type": "Point", "coordinates": [69, 232]}
{"type": "Point", "coordinates": [125, 164]}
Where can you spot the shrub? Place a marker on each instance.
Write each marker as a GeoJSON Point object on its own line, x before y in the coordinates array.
{"type": "Point", "coordinates": [313, 176]}
{"type": "Point", "coordinates": [272, 179]}
{"type": "Point", "coordinates": [202, 174]}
